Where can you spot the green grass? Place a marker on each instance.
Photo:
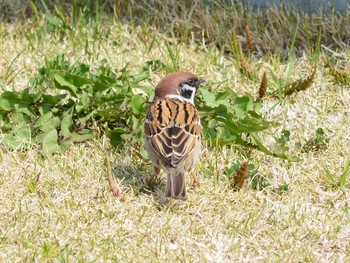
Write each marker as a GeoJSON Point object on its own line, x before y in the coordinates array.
{"type": "Point", "coordinates": [59, 207]}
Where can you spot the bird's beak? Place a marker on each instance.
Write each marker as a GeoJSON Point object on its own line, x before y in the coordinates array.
{"type": "Point", "coordinates": [199, 82]}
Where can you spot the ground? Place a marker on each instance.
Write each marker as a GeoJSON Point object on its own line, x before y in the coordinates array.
{"type": "Point", "coordinates": [60, 208]}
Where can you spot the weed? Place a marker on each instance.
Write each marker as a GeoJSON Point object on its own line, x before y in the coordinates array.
{"type": "Point", "coordinates": [331, 178]}
{"type": "Point", "coordinates": [300, 84]}
{"type": "Point", "coordinates": [70, 103]}
{"type": "Point", "coordinates": [317, 143]}
{"type": "Point", "coordinates": [263, 86]}
{"type": "Point", "coordinates": [83, 102]}
{"type": "Point", "coordinates": [239, 180]}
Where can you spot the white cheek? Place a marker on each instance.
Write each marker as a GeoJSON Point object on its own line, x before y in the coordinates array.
{"type": "Point", "coordinates": [192, 97]}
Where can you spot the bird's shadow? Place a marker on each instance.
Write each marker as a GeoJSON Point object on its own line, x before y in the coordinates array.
{"type": "Point", "coordinates": [133, 180]}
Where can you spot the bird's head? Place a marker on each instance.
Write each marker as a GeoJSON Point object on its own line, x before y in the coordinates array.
{"type": "Point", "coordinates": [179, 85]}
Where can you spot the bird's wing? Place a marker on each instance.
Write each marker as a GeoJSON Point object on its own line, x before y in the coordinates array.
{"type": "Point", "coordinates": [173, 129]}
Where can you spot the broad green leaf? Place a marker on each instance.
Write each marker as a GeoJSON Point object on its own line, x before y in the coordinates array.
{"type": "Point", "coordinates": [139, 77]}
{"type": "Point", "coordinates": [225, 137]}
{"type": "Point", "coordinates": [86, 118]}
{"type": "Point", "coordinates": [50, 100]}
{"type": "Point", "coordinates": [249, 125]}
{"type": "Point", "coordinates": [78, 81]}
{"type": "Point", "coordinates": [50, 142]}
{"type": "Point", "coordinates": [65, 145]}
{"type": "Point", "coordinates": [116, 136]}
{"type": "Point", "coordinates": [82, 137]}
{"type": "Point", "coordinates": [62, 83]}
{"type": "Point", "coordinates": [20, 136]}
{"type": "Point", "coordinates": [84, 99]}
{"type": "Point", "coordinates": [144, 153]}
{"type": "Point", "coordinates": [99, 86]}
{"type": "Point", "coordinates": [20, 118]}
{"type": "Point", "coordinates": [24, 108]}
{"type": "Point", "coordinates": [10, 100]}
{"type": "Point", "coordinates": [66, 124]}
{"type": "Point", "coordinates": [137, 104]}
{"type": "Point", "coordinates": [30, 98]}
{"type": "Point", "coordinates": [11, 141]}
{"type": "Point", "coordinates": [281, 155]}
{"type": "Point", "coordinates": [6, 100]}
{"type": "Point", "coordinates": [209, 98]}
{"type": "Point", "coordinates": [242, 105]}
{"type": "Point", "coordinates": [148, 90]}
{"type": "Point", "coordinates": [42, 120]}
{"type": "Point", "coordinates": [105, 81]}
{"type": "Point", "coordinates": [52, 123]}
{"type": "Point", "coordinates": [134, 122]}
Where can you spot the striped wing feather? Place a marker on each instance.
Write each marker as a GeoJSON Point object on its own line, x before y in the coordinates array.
{"type": "Point", "coordinates": [173, 129]}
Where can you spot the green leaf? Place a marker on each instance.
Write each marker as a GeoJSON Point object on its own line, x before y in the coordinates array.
{"type": "Point", "coordinates": [20, 118]}
{"type": "Point", "coordinates": [242, 105]}
{"type": "Point", "coordinates": [105, 81]}
{"type": "Point", "coordinates": [148, 90]}
{"type": "Point", "coordinates": [50, 100]}
{"type": "Point", "coordinates": [42, 120]}
{"type": "Point", "coordinates": [344, 176]}
{"type": "Point", "coordinates": [11, 141]}
{"type": "Point", "coordinates": [6, 100]}
{"type": "Point", "coordinates": [140, 77]}
{"type": "Point", "coordinates": [144, 153]}
{"type": "Point", "coordinates": [116, 136]}
{"type": "Point", "coordinates": [66, 124]}
{"type": "Point", "coordinates": [249, 125]}
{"type": "Point", "coordinates": [226, 137]}
{"type": "Point", "coordinates": [24, 108]}
{"type": "Point", "coordinates": [281, 155]}
{"type": "Point", "coordinates": [137, 104]}
{"type": "Point", "coordinates": [82, 137]}
{"type": "Point", "coordinates": [65, 145]}
{"type": "Point", "coordinates": [50, 142]}
{"type": "Point", "coordinates": [99, 86]}
{"type": "Point", "coordinates": [86, 118]}
{"type": "Point", "coordinates": [18, 101]}
{"type": "Point", "coordinates": [209, 98]}
{"type": "Point", "coordinates": [52, 123]}
{"type": "Point", "coordinates": [62, 83]}
{"type": "Point", "coordinates": [20, 136]}
{"type": "Point", "coordinates": [329, 176]}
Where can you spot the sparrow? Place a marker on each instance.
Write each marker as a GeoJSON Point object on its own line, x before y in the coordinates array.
{"type": "Point", "coordinates": [173, 131]}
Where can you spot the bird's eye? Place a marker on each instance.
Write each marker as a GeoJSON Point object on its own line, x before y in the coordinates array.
{"type": "Point", "coordinates": [191, 81]}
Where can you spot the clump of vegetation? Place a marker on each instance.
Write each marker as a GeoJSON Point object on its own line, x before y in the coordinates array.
{"type": "Point", "coordinates": [316, 143]}
{"type": "Point", "coordinates": [337, 181]}
{"type": "Point", "coordinates": [66, 104]}
{"type": "Point", "coordinates": [300, 84]}
{"type": "Point", "coordinates": [215, 21]}
{"type": "Point", "coordinates": [243, 175]}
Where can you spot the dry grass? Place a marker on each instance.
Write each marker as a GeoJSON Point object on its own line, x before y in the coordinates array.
{"type": "Point", "coordinates": [60, 208]}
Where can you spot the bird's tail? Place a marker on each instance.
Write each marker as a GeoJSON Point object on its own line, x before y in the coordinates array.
{"type": "Point", "coordinates": [175, 186]}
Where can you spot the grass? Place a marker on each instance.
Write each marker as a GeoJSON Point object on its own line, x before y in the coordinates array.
{"type": "Point", "coordinates": [60, 208]}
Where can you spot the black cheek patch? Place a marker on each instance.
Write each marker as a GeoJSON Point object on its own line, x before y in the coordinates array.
{"type": "Point", "coordinates": [186, 93]}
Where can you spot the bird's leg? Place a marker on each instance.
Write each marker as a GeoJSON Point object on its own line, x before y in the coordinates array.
{"type": "Point", "coordinates": [195, 180]}
{"type": "Point", "coordinates": [150, 179]}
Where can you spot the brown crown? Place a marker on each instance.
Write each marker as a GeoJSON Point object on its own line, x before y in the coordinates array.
{"type": "Point", "coordinates": [169, 85]}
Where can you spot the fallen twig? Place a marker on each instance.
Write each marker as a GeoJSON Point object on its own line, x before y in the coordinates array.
{"type": "Point", "coordinates": [114, 189]}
